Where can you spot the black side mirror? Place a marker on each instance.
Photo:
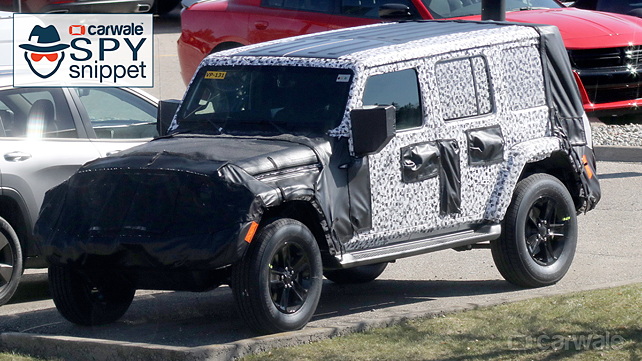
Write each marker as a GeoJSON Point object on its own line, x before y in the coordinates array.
{"type": "Point", "coordinates": [372, 128]}
{"type": "Point", "coordinates": [165, 115]}
{"type": "Point", "coordinates": [395, 12]}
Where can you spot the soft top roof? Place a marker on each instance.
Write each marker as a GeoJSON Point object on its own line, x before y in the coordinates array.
{"type": "Point", "coordinates": [345, 42]}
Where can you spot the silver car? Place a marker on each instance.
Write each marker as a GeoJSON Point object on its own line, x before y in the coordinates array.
{"type": "Point", "coordinates": [46, 134]}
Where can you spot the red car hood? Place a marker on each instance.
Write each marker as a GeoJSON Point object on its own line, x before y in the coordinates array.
{"type": "Point", "coordinates": [585, 29]}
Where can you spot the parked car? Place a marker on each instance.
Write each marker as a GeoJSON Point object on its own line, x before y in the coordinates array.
{"type": "Point", "coordinates": [79, 6]}
{"type": "Point", "coordinates": [332, 155]}
{"type": "Point", "coordinates": [46, 134]}
{"type": "Point", "coordinates": [604, 48]}
{"type": "Point", "coordinates": [628, 7]}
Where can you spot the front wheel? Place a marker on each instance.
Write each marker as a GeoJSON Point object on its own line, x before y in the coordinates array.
{"type": "Point", "coordinates": [277, 285]}
{"type": "Point", "coordinates": [11, 266]}
{"type": "Point", "coordinates": [86, 300]}
{"type": "Point", "coordinates": [539, 238]}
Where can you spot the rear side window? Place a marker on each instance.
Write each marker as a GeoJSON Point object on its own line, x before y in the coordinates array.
{"type": "Point", "coordinates": [464, 88]}
{"type": "Point", "coordinates": [523, 77]}
{"type": "Point", "coordinates": [370, 9]}
{"type": "Point", "coordinates": [324, 6]}
{"type": "Point", "coordinates": [399, 88]}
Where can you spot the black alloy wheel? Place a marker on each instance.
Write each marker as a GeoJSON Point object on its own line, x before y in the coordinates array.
{"type": "Point", "coordinates": [546, 229]}
{"type": "Point", "coordinates": [290, 278]}
{"type": "Point", "coordinates": [539, 233]}
{"type": "Point", "coordinates": [277, 284]}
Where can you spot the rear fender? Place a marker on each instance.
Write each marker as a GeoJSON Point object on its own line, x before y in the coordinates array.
{"type": "Point", "coordinates": [516, 159]}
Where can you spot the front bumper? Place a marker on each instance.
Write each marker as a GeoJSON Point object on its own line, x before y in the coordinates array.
{"type": "Point", "coordinates": [145, 219]}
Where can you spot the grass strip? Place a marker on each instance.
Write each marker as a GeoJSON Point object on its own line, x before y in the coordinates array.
{"type": "Point", "coordinates": [593, 325]}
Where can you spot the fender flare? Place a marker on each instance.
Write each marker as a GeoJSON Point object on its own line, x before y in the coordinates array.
{"type": "Point", "coordinates": [509, 174]}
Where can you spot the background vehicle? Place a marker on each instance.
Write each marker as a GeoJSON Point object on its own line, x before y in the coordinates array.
{"type": "Point", "coordinates": [628, 7]}
{"type": "Point", "coordinates": [46, 134]}
{"type": "Point", "coordinates": [79, 6]}
{"type": "Point", "coordinates": [333, 154]}
{"type": "Point", "coordinates": [603, 48]}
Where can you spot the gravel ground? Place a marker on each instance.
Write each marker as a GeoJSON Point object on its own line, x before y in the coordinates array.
{"type": "Point", "coordinates": [617, 134]}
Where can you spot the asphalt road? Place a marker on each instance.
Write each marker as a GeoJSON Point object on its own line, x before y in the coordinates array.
{"type": "Point", "coordinates": [608, 253]}
{"type": "Point", "coordinates": [182, 325]}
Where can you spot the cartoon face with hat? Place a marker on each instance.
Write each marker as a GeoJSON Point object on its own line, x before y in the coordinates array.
{"type": "Point", "coordinates": [44, 52]}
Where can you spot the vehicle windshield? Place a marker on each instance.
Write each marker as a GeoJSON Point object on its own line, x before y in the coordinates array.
{"type": "Point", "coordinates": [622, 7]}
{"type": "Point", "coordinates": [265, 100]}
{"type": "Point", "coordinates": [444, 9]}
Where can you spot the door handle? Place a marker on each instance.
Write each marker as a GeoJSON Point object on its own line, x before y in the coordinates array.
{"type": "Point", "coordinates": [261, 25]}
{"type": "Point", "coordinates": [112, 152]}
{"type": "Point", "coordinates": [17, 156]}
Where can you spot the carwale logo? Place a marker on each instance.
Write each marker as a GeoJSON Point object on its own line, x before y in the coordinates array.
{"type": "Point", "coordinates": [83, 50]}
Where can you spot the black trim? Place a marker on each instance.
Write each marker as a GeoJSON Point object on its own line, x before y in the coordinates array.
{"type": "Point", "coordinates": [485, 145]}
{"type": "Point", "coordinates": [419, 162]}
{"type": "Point", "coordinates": [449, 177]}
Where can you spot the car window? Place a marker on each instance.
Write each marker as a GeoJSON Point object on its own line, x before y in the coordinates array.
{"type": "Point", "coordinates": [622, 7]}
{"type": "Point", "coordinates": [464, 88]}
{"type": "Point", "coordinates": [36, 113]}
{"type": "Point", "coordinates": [118, 114]}
{"type": "Point", "coordinates": [370, 9]}
{"type": "Point", "coordinates": [401, 89]}
{"type": "Point", "coordinates": [441, 9]}
{"type": "Point", "coordinates": [324, 6]}
{"type": "Point", "coordinates": [525, 94]}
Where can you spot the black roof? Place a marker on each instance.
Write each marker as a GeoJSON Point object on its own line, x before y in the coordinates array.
{"type": "Point", "coordinates": [335, 44]}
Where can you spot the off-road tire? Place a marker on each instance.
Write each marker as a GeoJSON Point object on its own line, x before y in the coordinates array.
{"type": "Point", "coordinates": [89, 301]}
{"type": "Point", "coordinates": [361, 274]}
{"type": "Point", "coordinates": [277, 284]}
{"type": "Point", "coordinates": [539, 235]}
{"type": "Point", "coordinates": [11, 262]}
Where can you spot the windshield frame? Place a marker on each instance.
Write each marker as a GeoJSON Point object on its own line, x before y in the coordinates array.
{"type": "Point", "coordinates": [258, 89]}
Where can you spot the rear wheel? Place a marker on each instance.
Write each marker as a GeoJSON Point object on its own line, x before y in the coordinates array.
{"type": "Point", "coordinates": [11, 265]}
{"type": "Point", "coordinates": [277, 285]}
{"type": "Point", "coordinates": [538, 243]}
{"type": "Point", "coordinates": [361, 274]}
{"type": "Point", "coordinates": [86, 300]}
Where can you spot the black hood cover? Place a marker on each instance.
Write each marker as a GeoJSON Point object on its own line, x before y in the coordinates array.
{"type": "Point", "coordinates": [254, 156]}
{"type": "Point", "coordinates": [172, 203]}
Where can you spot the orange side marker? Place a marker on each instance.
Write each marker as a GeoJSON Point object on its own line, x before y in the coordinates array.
{"type": "Point", "coordinates": [587, 167]}
{"type": "Point", "coordinates": [250, 232]}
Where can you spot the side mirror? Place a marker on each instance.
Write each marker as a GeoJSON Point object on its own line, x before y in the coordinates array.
{"type": "Point", "coordinates": [395, 12]}
{"type": "Point", "coordinates": [372, 128]}
{"type": "Point", "coordinates": [165, 115]}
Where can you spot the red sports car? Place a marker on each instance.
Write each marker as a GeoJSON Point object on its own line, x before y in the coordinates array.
{"type": "Point", "coordinates": [605, 49]}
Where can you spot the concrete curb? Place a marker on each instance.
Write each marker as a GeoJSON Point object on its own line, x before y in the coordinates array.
{"type": "Point", "coordinates": [82, 349]}
{"type": "Point", "coordinates": [612, 153]}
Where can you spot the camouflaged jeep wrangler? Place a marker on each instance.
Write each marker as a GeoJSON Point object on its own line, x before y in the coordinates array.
{"type": "Point", "coordinates": [331, 155]}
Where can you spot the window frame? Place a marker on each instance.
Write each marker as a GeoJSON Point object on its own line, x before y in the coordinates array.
{"type": "Point", "coordinates": [419, 96]}
{"type": "Point", "coordinates": [491, 92]}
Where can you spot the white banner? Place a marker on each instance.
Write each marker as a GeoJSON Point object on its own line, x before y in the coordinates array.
{"type": "Point", "coordinates": [83, 50]}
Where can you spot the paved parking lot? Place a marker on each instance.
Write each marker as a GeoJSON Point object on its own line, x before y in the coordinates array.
{"type": "Point", "coordinates": [199, 326]}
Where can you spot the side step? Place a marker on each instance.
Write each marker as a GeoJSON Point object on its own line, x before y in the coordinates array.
{"type": "Point", "coordinates": [412, 248]}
